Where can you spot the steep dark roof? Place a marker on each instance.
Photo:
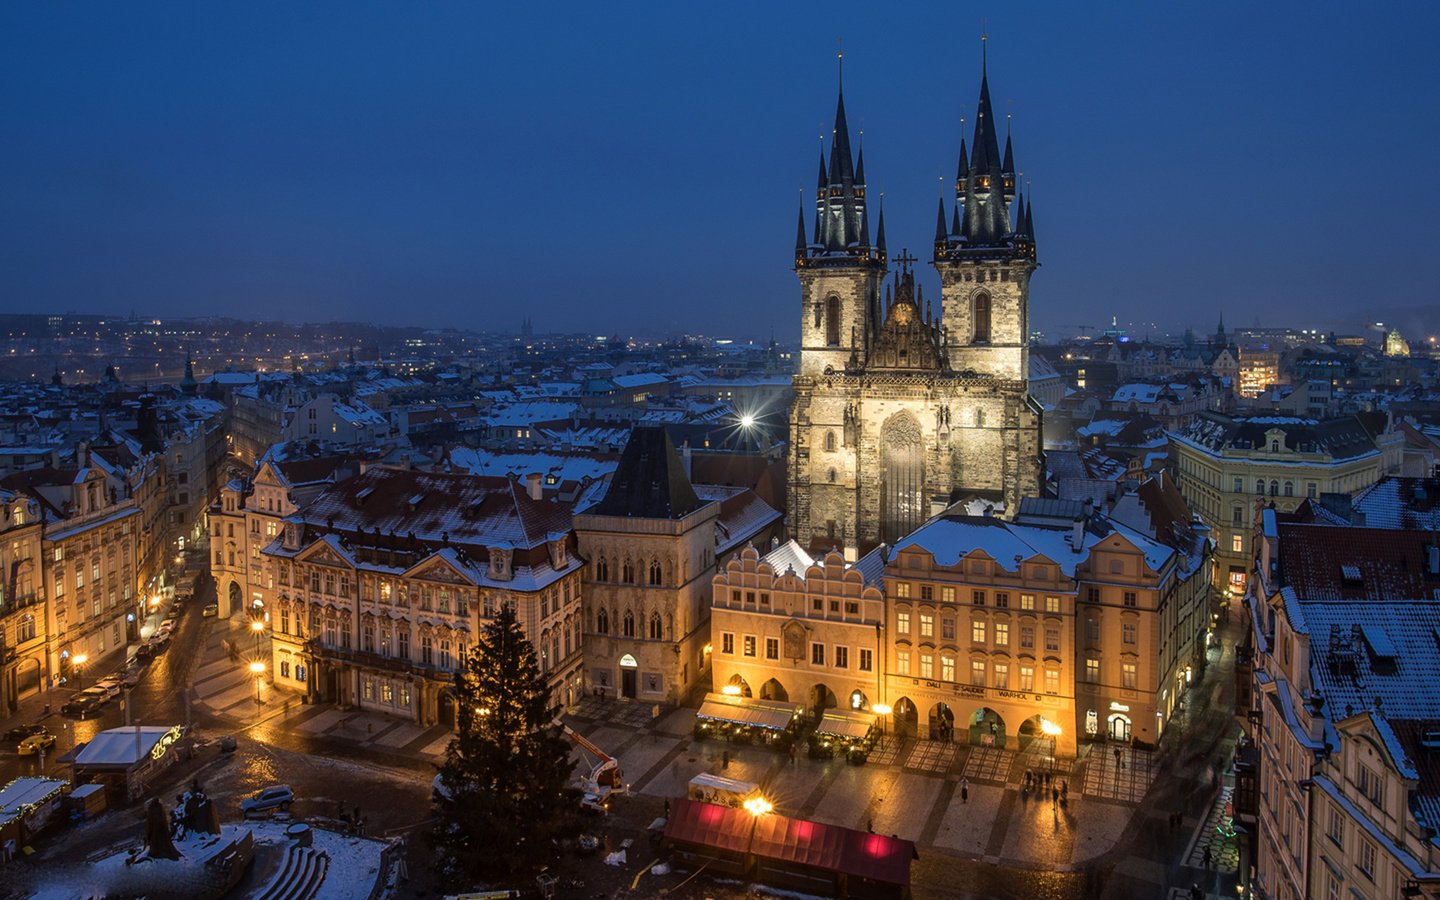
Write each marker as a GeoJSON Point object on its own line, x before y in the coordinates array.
{"type": "Point", "coordinates": [1327, 562]}
{"type": "Point", "coordinates": [1341, 438]}
{"type": "Point", "coordinates": [650, 481]}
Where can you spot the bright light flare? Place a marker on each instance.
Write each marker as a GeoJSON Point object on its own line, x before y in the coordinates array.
{"type": "Point", "coordinates": [758, 806]}
{"type": "Point", "coordinates": [731, 690]}
{"type": "Point", "coordinates": [747, 421]}
{"type": "Point", "coordinates": [1050, 728]}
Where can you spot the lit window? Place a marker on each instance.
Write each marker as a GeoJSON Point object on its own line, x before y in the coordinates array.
{"type": "Point", "coordinates": [977, 632]}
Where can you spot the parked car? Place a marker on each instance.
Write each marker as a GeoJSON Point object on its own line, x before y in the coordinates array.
{"type": "Point", "coordinates": [211, 609]}
{"type": "Point", "coordinates": [21, 732]}
{"type": "Point", "coordinates": [276, 796]}
{"type": "Point", "coordinates": [110, 685]}
{"type": "Point", "coordinates": [168, 624]}
{"type": "Point", "coordinates": [36, 743]}
{"type": "Point", "coordinates": [84, 703]}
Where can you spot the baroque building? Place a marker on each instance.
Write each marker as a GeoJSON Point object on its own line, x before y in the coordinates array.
{"type": "Point", "coordinates": [900, 409]}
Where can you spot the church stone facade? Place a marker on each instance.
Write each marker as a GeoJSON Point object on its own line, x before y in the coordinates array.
{"type": "Point", "coordinates": [902, 410]}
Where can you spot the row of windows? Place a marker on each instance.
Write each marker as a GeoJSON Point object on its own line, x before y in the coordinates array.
{"type": "Point", "coordinates": [654, 576]}
{"type": "Point", "coordinates": [627, 624]}
{"type": "Point", "coordinates": [391, 693]}
{"type": "Point", "coordinates": [834, 655]}
{"type": "Point", "coordinates": [1000, 599]}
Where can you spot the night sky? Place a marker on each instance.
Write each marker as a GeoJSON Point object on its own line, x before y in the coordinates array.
{"type": "Point", "coordinates": [636, 169]}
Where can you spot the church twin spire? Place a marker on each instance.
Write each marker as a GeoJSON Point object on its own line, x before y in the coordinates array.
{"type": "Point", "coordinates": [842, 215]}
{"type": "Point", "coordinates": [991, 216]}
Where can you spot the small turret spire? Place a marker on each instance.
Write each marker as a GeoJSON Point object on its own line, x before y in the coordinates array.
{"type": "Point", "coordinates": [800, 230]}
{"type": "Point", "coordinates": [940, 223]}
{"type": "Point", "coordinates": [880, 231]}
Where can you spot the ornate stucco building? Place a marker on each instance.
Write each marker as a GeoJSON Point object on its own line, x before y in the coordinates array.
{"type": "Point", "coordinates": [902, 409]}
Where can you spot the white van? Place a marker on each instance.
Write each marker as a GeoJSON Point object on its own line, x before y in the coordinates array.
{"type": "Point", "coordinates": [722, 791]}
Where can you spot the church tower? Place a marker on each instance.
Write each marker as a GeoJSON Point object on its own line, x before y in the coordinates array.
{"type": "Point", "coordinates": [840, 270]}
{"type": "Point", "coordinates": [902, 410]}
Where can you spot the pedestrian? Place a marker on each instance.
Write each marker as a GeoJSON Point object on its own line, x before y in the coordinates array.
{"type": "Point", "coordinates": [1119, 758]}
{"type": "Point", "coordinates": [1064, 790]}
{"type": "Point", "coordinates": [1047, 778]}
{"type": "Point", "coordinates": [964, 794]}
{"type": "Point", "coordinates": [1196, 893]}
{"type": "Point", "coordinates": [792, 754]}
{"type": "Point", "coordinates": [1055, 794]}
{"type": "Point", "coordinates": [1205, 856]}
{"type": "Point", "coordinates": [725, 759]}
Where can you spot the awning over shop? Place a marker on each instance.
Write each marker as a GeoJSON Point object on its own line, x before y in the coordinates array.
{"type": "Point", "coordinates": [798, 841]}
{"type": "Point", "coordinates": [770, 714]}
{"type": "Point", "coordinates": [708, 825]}
{"type": "Point", "coordinates": [792, 842]}
{"type": "Point", "coordinates": [877, 857]}
{"type": "Point", "coordinates": [846, 723]}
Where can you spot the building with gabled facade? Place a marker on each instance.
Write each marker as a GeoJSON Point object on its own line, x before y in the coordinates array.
{"type": "Point", "coordinates": [249, 516]}
{"type": "Point", "coordinates": [901, 409]}
{"type": "Point", "coordinates": [24, 635]}
{"type": "Point", "coordinates": [653, 540]}
{"type": "Point", "coordinates": [88, 561]}
{"type": "Point", "coordinates": [996, 628]}
{"type": "Point", "coordinates": [1338, 789]}
{"type": "Point", "coordinates": [795, 628]}
{"type": "Point", "coordinates": [383, 582]}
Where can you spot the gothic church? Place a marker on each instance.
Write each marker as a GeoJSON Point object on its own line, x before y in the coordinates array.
{"type": "Point", "coordinates": [901, 410]}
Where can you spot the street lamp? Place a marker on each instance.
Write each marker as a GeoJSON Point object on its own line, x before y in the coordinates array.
{"type": "Point", "coordinates": [882, 710]}
{"type": "Point", "coordinates": [731, 690]}
{"type": "Point", "coordinates": [78, 662]}
{"type": "Point", "coordinates": [258, 668]}
{"type": "Point", "coordinates": [1052, 731]}
{"type": "Point", "coordinates": [258, 627]}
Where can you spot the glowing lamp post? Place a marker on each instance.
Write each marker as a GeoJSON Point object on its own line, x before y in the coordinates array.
{"type": "Point", "coordinates": [731, 690]}
{"type": "Point", "coordinates": [758, 806]}
{"type": "Point", "coordinates": [258, 627]}
{"type": "Point", "coordinates": [79, 663]}
{"type": "Point", "coordinates": [258, 668]}
{"type": "Point", "coordinates": [1052, 731]}
{"type": "Point", "coordinates": [882, 710]}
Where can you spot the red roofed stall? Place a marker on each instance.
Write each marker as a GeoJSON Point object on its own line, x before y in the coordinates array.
{"type": "Point", "coordinates": [796, 853]}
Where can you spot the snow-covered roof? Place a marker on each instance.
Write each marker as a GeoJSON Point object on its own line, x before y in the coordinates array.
{"type": "Point", "coordinates": [952, 538]}
{"type": "Point", "coordinates": [123, 746]}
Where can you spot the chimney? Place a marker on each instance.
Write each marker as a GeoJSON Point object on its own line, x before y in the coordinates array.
{"type": "Point", "coordinates": [1077, 534]}
{"type": "Point", "coordinates": [1432, 559]}
{"type": "Point", "coordinates": [685, 457]}
{"type": "Point", "coordinates": [533, 486]}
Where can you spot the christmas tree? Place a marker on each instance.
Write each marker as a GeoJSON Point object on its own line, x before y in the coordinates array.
{"type": "Point", "coordinates": [504, 799]}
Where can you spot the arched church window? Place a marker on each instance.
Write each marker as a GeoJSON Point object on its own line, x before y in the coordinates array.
{"type": "Point", "coordinates": [655, 632]}
{"type": "Point", "coordinates": [819, 313]}
{"type": "Point", "coordinates": [832, 321]}
{"type": "Point", "coordinates": [602, 570]}
{"type": "Point", "coordinates": [629, 623]}
{"type": "Point", "coordinates": [627, 572]}
{"type": "Point", "coordinates": [602, 621]}
{"type": "Point", "coordinates": [829, 442]}
{"type": "Point", "coordinates": [654, 572]}
{"type": "Point", "coordinates": [980, 317]}
{"type": "Point", "coordinates": [832, 476]}
{"type": "Point", "coordinates": [902, 478]}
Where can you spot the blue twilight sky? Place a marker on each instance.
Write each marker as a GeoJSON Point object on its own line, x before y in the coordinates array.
{"type": "Point", "coordinates": [637, 167]}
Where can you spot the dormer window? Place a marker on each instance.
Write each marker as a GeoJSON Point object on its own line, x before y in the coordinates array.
{"type": "Point", "coordinates": [500, 563]}
{"type": "Point", "coordinates": [292, 536]}
{"type": "Point", "coordinates": [559, 553]}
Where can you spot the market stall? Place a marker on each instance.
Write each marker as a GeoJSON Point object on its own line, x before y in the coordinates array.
{"type": "Point", "coordinates": [126, 759]}
{"type": "Point", "coordinates": [846, 732]}
{"type": "Point", "coordinates": [747, 720]}
{"type": "Point", "coordinates": [26, 804]}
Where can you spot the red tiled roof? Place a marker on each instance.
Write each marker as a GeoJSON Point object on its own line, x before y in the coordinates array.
{"type": "Point", "coordinates": [1390, 564]}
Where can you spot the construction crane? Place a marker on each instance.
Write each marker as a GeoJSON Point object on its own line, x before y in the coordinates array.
{"type": "Point", "coordinates": [605, 779]}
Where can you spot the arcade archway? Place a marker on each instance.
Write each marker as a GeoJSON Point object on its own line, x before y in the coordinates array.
{"type": "Point", "coordinates": [987, 728]}
{"type": "Point", "coordinates": [773, 690]}
{"type": "Point", "coordinates": [907, 718]}
{"type": "Point", "coordinates": [738, 682]}
{"type": "Point", "coordinates": [942, 723]}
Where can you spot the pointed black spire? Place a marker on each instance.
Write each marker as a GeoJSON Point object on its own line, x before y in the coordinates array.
{"type": "Point", "coordinates": [963, 170]}
{"type": "Point", "coordinates": [1030, 221]}
{"type": "Point", "coordinates": [940, 223]}
{"type": "Point", "coordinates": [880, 232]}
{"type": "Point", "coordinates": [800, 234]}
{"type": "Point", "coordinates": [860, 166]}
{"type": "Point", "coordinates": [1018, 215]}
{"type": "Point", "coordinates": [955, 221]}
{"type": "Point", "coordinates": [842, 164]}
{"type": "Point", "coordinates": [865, 228]}
{"type": "Point", "coordinates": [823, 184]}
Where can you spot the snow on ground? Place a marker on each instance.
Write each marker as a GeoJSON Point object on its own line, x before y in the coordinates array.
{"type": "Point", "coordinates": [354, 861]}
{"type": "Point", "coordinates": [110, 876]}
